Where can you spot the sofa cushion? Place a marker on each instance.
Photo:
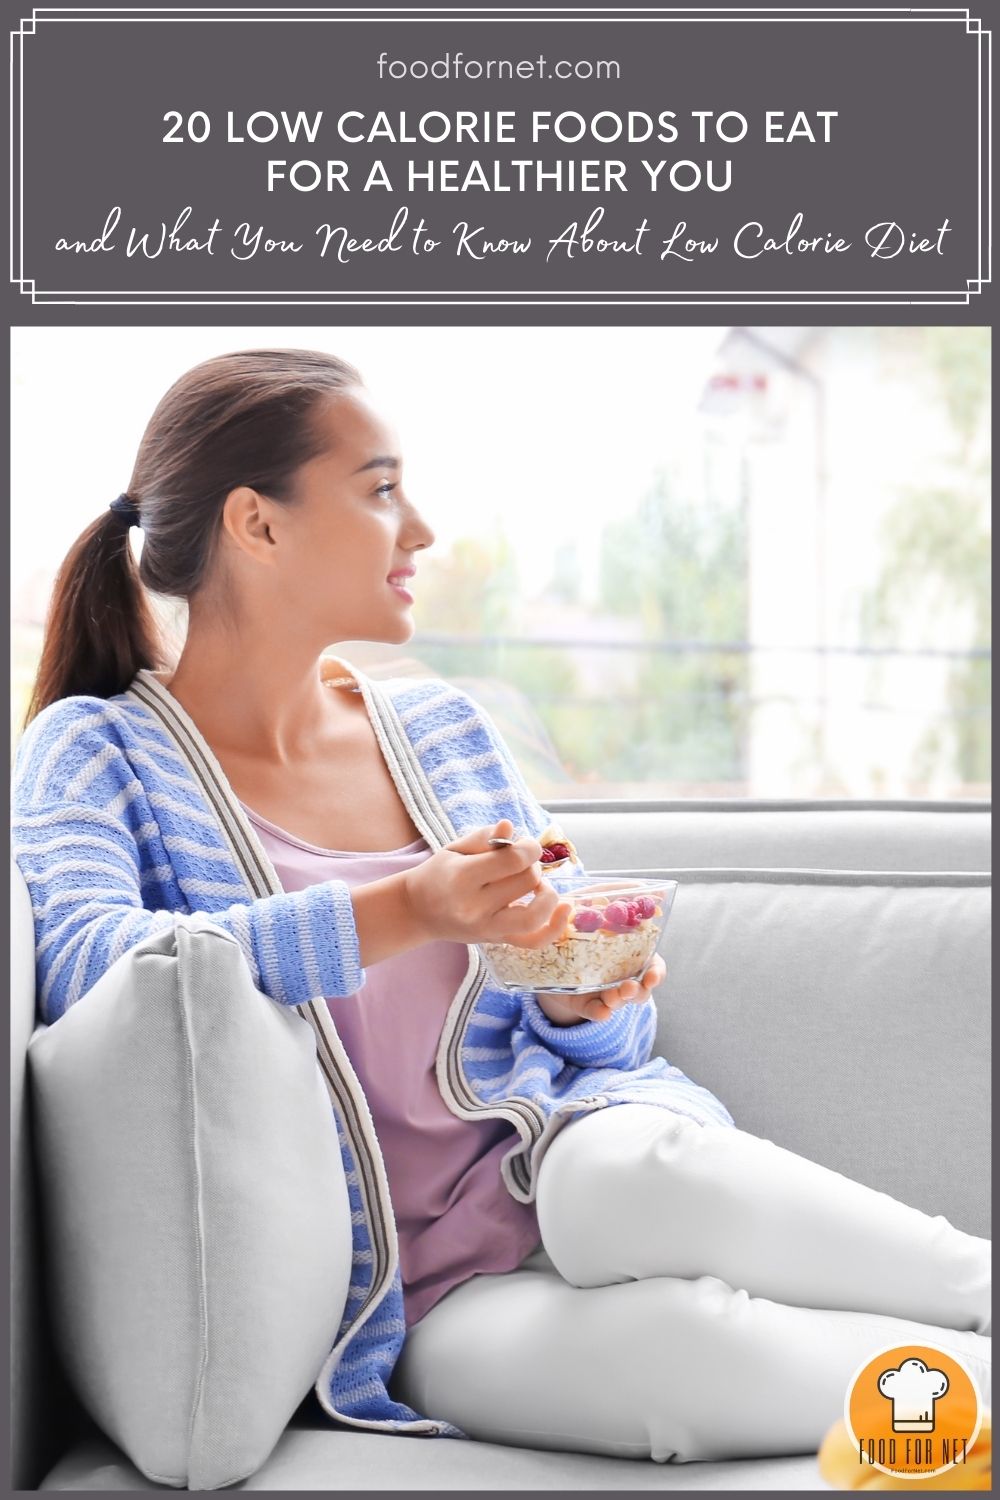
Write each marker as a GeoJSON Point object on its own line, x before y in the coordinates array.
{"type": "Point", "coordinates": [195, 1204]}
{"type": "Point", "coordinates": [740, 834]}
{"type": "Point", "coordinates": [319, 1458]}
{"type": "Point", "coordinates": [844, 1015]}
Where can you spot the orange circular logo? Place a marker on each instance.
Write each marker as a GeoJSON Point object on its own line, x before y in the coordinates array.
{"type": "Point", "coordinates": [913, 1410]}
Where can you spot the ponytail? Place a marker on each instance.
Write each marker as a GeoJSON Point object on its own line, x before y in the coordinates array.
{"type": "Point", "coordinates": [242, 418]}
{"type": "Point", "coordinates": [100, 628]}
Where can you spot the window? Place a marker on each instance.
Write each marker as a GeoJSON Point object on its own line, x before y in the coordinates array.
{"type": "Point", "coordinates": [671, 562]}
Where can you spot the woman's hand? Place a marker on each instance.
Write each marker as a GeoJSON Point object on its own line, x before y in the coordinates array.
{"type": "Point", "coordinates": [463, 893]}
{"type": "Point", "coordinates": [568, 1010]}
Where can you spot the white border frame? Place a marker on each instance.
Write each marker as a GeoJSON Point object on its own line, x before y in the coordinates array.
{"type": "Point", "coordinates": [510, 14]}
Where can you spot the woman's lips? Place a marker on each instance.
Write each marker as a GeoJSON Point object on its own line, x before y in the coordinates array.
{"type": "Point", "coordinates": [395, 581]}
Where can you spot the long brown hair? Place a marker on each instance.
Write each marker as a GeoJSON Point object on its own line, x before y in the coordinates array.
{"type": "Point", "coordinates": [243, 418]}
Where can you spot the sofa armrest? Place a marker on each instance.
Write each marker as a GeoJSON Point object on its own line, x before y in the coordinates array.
{"type": "Point", "coordinates": [44, 1413]}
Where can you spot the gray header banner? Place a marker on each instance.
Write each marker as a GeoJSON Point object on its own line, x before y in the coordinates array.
{"type": "Point", "coordinates": [350, 157]}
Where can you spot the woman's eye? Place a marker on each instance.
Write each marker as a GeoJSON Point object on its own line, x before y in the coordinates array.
{"type": "Point", "coordinates": [385, 490]}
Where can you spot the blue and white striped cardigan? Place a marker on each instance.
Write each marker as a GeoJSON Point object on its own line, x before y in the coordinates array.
{"type": "Point", "coordinates": [122, 817]}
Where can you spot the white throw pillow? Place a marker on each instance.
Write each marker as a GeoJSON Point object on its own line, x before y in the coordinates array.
{"type": "Point", "coordinates": [197, 1224]}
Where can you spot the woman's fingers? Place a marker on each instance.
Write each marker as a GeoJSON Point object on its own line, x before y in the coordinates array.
{"type": "Point", "coordinates": [493, 863]}
{"type": "Point", "coordinates": [635, 990]}
{"type": "Point", "coordinates": [620, 994]}
{"type": "Point", "coordinates": [599, 1006]}
{"type": "Point", "coordinates": [512, 887]}
{"type": "Point", "coordinates": [476, 841]}
{"type": "Point", "coordinates": [541, 921]}
{"type": "Point", "coordinates": [655, 971]}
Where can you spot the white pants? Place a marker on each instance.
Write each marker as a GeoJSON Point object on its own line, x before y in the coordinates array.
{"type": "Point", "coordinates": [700, 1293]}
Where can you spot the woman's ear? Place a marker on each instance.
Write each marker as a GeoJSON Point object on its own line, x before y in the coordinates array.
{"type": "Point", "coordinates": [246, 518]}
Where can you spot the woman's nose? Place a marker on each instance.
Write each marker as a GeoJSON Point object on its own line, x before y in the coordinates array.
{"type": "Point", "coordinates": [419, 532]}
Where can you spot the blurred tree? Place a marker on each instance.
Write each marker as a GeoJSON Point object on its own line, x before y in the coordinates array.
{"type": "Point", "coordinates": [566, 580]}
{"type": "Point", "coordinates": [469, 593]}
{"type": "Point", "coordinates": [681, 566]}
{"type": "Point", "coordinates": [471, 589]}
{"type": "Point", "coordinates": [936, 560]}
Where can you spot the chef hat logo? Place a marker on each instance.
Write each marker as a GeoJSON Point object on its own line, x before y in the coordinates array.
{"type": "Point", "coordinates": [913, 1388]}
{"type": "Point", "coordinates": [914, 1409]}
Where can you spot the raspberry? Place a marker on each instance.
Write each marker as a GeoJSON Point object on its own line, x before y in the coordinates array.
{"type": "Point", "coordinates": [553, 852]}
{"type": "Point", "coordinates": [646, 907]}
{"type": "Point", "coordinates": [587, 920]}
{"type": "Point", "coordinates": [616, 915]}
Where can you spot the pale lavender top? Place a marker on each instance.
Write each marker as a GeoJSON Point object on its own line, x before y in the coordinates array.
{"type": "Point", "coordinates": [454, 1216]}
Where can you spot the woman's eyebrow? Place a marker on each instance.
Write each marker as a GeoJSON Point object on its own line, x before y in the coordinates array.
{"type": "Point", "coordinates": [383, 461]}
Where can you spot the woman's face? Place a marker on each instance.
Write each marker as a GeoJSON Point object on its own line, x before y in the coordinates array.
{"type": "Point", "coordinates": [347, 542]}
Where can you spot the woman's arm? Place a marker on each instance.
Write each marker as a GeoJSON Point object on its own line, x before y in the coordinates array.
{"type": "Point", "coordinates": [87, 874]}
{"type": "Point", "coordinates": [384, 918]}
{"type": "Point", "coordinates": [625, 1040]}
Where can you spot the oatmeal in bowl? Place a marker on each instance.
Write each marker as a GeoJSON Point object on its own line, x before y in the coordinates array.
{"type": "Point", "coordinates": [611, 934]}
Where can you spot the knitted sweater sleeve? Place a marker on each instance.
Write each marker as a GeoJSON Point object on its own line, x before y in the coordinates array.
{"type": "Point", "coordinates": [627, 1037]}
{"type": "Point", "coordinates": [89, 861]}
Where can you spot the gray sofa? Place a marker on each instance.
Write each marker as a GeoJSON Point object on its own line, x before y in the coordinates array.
{"type": "Point", "coordinates": [827, 978]}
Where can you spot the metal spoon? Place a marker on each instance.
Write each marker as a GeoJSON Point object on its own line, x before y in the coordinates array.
{"type": "Point", "coordinates": [500, 843]}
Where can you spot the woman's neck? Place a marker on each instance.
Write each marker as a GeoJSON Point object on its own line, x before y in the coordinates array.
{"type": "Point", "coordinates": [259, 705]}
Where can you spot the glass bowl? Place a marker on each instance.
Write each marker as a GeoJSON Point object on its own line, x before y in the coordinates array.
{"type": "Point", "coordinates": [611, 934]}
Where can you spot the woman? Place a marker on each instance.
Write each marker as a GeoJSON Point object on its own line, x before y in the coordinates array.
{"type": "Point", "coordinates": [734, 1286]}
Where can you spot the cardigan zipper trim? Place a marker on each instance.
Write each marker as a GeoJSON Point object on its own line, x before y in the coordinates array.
{"type": "Point", "coordinates": [424, 807]}
{"type": "Point", "coordinates": [529, 1121]}
{"type": "Point", "coordinates": [262, 879]}
{"type": "Point", "coordinates": [431, 818]}
{"type": "Point", "coordinates": [257, 870]}
{"type": "Point", "coordinates": [426, 810]}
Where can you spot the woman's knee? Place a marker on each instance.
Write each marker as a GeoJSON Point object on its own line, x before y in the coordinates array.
{"type": "Point", "coordinates": [597, 1175]}
{"type": "Point", "coordinates": [588, 1154]}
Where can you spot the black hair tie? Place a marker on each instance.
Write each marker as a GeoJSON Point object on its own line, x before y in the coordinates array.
{"type": "Point", "coordinates": [123, 506]}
